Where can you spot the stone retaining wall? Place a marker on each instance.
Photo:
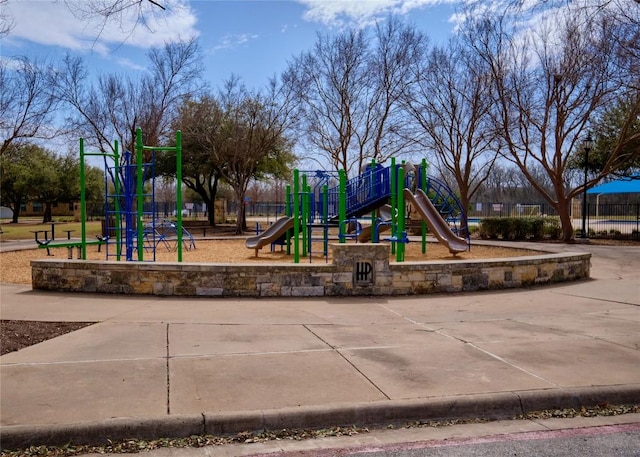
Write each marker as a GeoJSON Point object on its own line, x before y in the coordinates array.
{"type": "Point", "coordinates": [357, 269]}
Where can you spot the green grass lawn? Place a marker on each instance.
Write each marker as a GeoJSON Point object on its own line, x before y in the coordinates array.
{"type": "Point", "coordinates": [23, 230]}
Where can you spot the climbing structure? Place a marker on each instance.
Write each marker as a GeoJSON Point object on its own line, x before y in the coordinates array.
{"type": "Point", "coordinates": [129, 210]}
{"type": "Point", "coordinates": [339, 201]}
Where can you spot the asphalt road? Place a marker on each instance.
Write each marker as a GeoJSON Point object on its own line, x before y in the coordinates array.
{"type": "Point", "coordinates": [610, 441]}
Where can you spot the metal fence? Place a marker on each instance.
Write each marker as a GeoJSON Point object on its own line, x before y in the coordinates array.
{"type": "Point", "coordinates": [479, 210]}
{"type": "Point", "coordinates": [605, 220]}
{"type": "Point", "coordinates": [611, 221]}
{"type": "Point", "coordinates": [616, 221]}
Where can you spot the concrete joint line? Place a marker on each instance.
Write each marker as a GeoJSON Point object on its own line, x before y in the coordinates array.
{"type": "Point", "coordinates": [596, 299]}
{"type": "Point", "coordinates": [370, 381]}
{"type": "Point", "coordinates": [78, 362]}
{"type": "Point", "coordinates": [319, 337]}
{"type": "Point", "coordinates": [497, 357]}
{"type": "Point", "coordinates": [168, 374]}
{"type": "Point", "coordinates": [250, 354]}
{"type": "Point", "coordinates": [408, 319]}
{"type": "Point", "coordinates": [424, 326]}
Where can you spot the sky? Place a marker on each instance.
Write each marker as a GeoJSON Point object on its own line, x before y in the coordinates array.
{"type": "Point", "coordinates": [252, 39]}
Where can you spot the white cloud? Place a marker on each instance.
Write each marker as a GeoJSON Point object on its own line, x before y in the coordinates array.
{"type": "Point", "coordinates": [230, 41]}
{"type": "Point", "coordinates": [53, 23]}
{"type": "Point", "coordinates": [125, 62]}
{"type": "Point", "coordinates": [341, 13]}
{"type": "Point", "coordinates": [11, 63]}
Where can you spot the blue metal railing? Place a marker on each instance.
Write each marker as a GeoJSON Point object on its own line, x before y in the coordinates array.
{"type": "Point", "coordinates": [371, 189]}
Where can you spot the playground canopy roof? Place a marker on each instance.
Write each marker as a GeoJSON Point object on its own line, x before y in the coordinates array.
{"type": "Point", "coordinates": [630, 185]}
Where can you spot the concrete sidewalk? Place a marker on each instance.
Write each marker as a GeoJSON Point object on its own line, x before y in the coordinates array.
{"type": "Point", "coordinates": [173, 367]}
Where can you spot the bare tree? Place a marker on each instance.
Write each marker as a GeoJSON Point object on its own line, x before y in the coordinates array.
{"type": "Point", "coordinates": [328, 82]}
{"type": "Point", "coordinates": [348, 88]}
{"type": "Point", "coordinates": [547, 87]}
{"type": "Point", "coordinates": [27, 102]}
{"type": "Point", "coordinates": [118, 12]}
{"type": "Point", "coordinates": [450, 101]}
{"type": "Point", "coordinates": [117, 106]}
{"type": "Point", "coordinates": [386, 131]}
{"type": "Point", "coordinates": [6, 22]}
{"type": "Point", "coordinates": [507, 184]}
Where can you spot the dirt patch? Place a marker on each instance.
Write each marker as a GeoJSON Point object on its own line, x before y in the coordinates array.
{"type": "Point", "coordinates": [15, 335]}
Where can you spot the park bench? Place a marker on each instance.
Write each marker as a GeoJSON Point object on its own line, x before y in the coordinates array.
{"type": "Point", "coordinates": [194, 226]}
{"type": "Point", "coordinates": [47, 244]}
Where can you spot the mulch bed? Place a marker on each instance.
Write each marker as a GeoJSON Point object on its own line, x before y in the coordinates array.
{"type": "Point", "coordinates": [15, 335]}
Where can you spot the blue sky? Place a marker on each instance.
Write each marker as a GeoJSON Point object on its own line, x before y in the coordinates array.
{"type": "Point", "coordinates": [253, 39]}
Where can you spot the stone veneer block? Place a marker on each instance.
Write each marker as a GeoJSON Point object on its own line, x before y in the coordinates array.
{"type": "Point", "coordinates": [253, 280]}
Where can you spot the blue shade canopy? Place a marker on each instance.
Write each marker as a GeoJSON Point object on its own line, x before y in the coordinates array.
{"type": "Point", "coordinates": [629, 185]}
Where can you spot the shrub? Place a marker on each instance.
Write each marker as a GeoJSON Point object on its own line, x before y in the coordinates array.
{"type": "Point", "coordinates": [536, 227]}
{"type": "Point", "coordinates": [488, 228]}
{"type": "Point", "coordinates": [551, 228]}
{"type": "Point", "coordinates": [519, 228]}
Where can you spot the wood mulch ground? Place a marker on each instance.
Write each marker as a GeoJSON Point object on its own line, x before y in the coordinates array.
{"type": "Point", "coordinates": [15, 266]}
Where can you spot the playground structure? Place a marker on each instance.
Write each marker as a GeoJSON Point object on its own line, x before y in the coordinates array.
{"type": "Point", "coordinates": [130, 213]}
{"type": "Point", "coordinates": [379, 194]}
{"type": "Point", "coordinates": [355, 269]}
{"type": "Point", "coordinates": [166, 234]}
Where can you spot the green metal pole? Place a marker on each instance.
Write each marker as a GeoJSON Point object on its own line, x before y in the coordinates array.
{"type": "Point", "coordinates": [309, 220]}
{"type": "Point", "coordinates": [179, 190]}
{"type": "Point", "coordinates": [140, 196]}
{"type": "Point", "coordinates": [394, 205]}
{"type": "Point", "coordinates": [117, 218]}
{"type": "Point", "coordinates": [342, 204]}
{"type": "Point", "coordinates": [371, 189]}
{"type": "Point", "coordinates": [83, 203]}
{"type": "Point", "coordinates": [296, 216]}
{"type": "Point", "coordinates": [423, 186]}
{"type": "Point", "coordinates": [400, 203]}
{"type": "Point", "coordinates": [325, 221]}
{"type": "Point", "coordinates": [305, 216]}
{"type": "Point", "coordinates": [287, 212]}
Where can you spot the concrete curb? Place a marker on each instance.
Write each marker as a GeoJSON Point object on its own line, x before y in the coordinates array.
{"type": "Point", "coordinates": [485, 406]}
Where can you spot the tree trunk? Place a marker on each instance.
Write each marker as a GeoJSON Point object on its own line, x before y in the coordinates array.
{"type": "Point", "coordinates": [564, 211]}
{"type": "Point", "coordinates": [211, 204]}
{"type": "Point", "coordinates": [211, 214]}
{"type": "Point", "coordinates": [464, 223]}
{"type": "Point", "coordinates": [240, 217]}
{"type": "Point", "coordinates": [47, 213]}
{"type": "Point", "coordinates": [14, 206]}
